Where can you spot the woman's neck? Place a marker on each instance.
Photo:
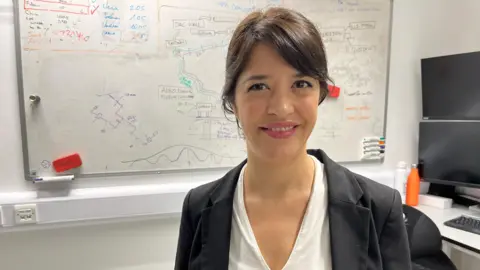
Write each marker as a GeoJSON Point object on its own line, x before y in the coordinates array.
{"type": "Point", "coordinates": [274, 181]}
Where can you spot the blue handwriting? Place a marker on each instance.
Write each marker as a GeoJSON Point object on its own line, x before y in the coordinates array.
{"type": "Point", "coordinates": [137, 7]}
{"type": "Point", "coordinates": [138, 18]}
{"type": "Point", "coordinates": [138, 26]}
{"type": "Point", "coordinates": [110, 7]}
{"type": "Point", "coordinates": [235, 7]}
{"type": "Point", "coordinates": [111, 25]}
{"type": "Point", "coordinates": [111, 17]}
{"type": "Point", "coordinates": [109, 33]}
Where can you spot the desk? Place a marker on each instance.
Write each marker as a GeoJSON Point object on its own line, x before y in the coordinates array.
{"type": "Point", "coordinates": [463, 239]}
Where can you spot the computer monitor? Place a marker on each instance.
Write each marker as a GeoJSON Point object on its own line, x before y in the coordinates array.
{"type": "Point", "coordinates": [451, 86]}
{"type": "Point", "coordinates": [449, 152]}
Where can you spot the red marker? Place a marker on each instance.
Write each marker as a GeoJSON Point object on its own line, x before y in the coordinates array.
{"type": "Point", "coordinates": [333, 91]}
{"type": "Point", "coordinates": [67, 163]}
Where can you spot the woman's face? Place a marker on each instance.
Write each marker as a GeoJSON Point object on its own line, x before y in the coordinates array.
{"type": "Point", "coordinates": [275, 105]}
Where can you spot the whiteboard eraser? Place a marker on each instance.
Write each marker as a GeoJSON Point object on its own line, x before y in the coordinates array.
{"type": "Point", "coordinates": [67, 162]}
{"type": "Point", "coordinates": [435, 201]}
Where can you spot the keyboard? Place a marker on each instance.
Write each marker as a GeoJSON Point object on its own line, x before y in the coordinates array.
{"type": "Point", "coordinates": [465, 223]}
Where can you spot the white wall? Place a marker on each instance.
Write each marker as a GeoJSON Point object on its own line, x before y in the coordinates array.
{"type": "Point", "coordinates": [421, 28]}
{"type": "Point", "coordinates": [123, 246]}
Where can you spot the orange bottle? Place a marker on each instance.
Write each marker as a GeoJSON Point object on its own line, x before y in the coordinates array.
{"type": "Point", "coordinates": [413, 186]}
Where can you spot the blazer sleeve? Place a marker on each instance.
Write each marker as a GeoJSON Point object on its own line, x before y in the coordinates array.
{"type": "Point", "coordinates": [185, 237]}
{"type": "Point", "coordinates": [394, 245]}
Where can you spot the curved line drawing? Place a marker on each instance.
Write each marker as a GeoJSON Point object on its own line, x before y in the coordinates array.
{"type": "Point", "coordinates": [188, 149]}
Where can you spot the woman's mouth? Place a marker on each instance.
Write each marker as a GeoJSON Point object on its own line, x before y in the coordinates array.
{"type": "Point", "coordinates": [281, 130]}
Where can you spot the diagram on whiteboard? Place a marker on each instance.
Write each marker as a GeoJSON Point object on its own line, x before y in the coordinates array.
{"type": "Point", "coordinates": [136, 85]}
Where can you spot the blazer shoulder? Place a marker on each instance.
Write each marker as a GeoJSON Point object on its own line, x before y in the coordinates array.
{"type": "Point", "coordinates": [381, 195]}
{"type": "Point", "coordinates": [205, 195]}
{"type": "Point", "coordinates": [200, 196]}
{"type": "Point", "coordinates": [350, 186]}
{"type": "Point", "coordinates": [379, 198]}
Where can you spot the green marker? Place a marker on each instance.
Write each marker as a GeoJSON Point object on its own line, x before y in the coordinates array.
{"type": "Point", "coordinates": [186, 82]}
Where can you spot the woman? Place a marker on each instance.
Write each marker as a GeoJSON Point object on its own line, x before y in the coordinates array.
{"type": "Point", "coordinates": [286, 207]}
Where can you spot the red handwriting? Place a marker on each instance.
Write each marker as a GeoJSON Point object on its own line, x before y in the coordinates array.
{"type": "Point", "coordinates": [34, 38]}
{"type": "Point", "coordinates": [358, 118]}
{"type": "Point", "coordinates": [72, 34]}
{"type": "Point", "coordinates": [360, 113]}
{"type": "Point", "coordinates": [93, 9]}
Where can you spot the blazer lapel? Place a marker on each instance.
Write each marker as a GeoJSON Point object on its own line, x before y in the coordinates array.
{"type": "Point", "coordinates": [349, 222]}
{"type": "Point", "coordinates": [217, 223]}
{"type": "Point", "coordinates": [349, 226]}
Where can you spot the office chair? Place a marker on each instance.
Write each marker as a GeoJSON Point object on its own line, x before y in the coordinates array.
{"type": "Point", "coordinates": [425, 242]}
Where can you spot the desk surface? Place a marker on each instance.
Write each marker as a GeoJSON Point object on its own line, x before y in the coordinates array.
{"type": "Point", "coordinates": [462, 238]}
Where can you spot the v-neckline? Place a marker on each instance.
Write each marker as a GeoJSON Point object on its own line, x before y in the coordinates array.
{"type": "Point", "coordinates": [305, 219]}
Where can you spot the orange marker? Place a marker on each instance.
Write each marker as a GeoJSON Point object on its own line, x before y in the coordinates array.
{"type": "Point", "coordinates": [413, 186]}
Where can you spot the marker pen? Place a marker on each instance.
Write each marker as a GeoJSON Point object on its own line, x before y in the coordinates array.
{"type": "Point", "coordinates": [54, 178]}
{"type": "Point", "coordinates": [373, 138]}
{"type": "Point", "coordinates": [373, 148]}
{"type": "Point", "coordinates": [375, 158]}
{"type": "Point", "coordinates": [368, 144]}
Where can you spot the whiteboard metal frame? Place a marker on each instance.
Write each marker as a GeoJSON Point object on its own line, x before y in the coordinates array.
{"type": "Point", "coordinates": [21, 96]}
{"type": "Point", "coordinates": [387, 82]}
{"type": "Point", "coordinates": [23, 125]}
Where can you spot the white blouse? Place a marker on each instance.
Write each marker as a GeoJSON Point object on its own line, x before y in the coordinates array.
{"type": "Point", "coordinates": [312, 246]}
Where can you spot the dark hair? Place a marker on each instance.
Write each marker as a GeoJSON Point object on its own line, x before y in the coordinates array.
{"type": "Point", "coordinates": [291, 34]}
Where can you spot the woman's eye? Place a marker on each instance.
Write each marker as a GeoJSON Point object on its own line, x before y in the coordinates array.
{"type": "Point", "coordinates": [302, 84]}
{"type": "Point", "coordinates": [257, 87]}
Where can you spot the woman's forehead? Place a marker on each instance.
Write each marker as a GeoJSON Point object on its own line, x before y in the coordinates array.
{"type": "Point", "coordinates": [265, 59]}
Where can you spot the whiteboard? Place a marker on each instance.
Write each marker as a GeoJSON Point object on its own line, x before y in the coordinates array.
{"type": "Point", "coordinates": [134, 86]}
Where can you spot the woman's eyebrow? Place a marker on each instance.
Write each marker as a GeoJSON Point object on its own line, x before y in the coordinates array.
{"type": "Point", "coordinates": [263, 77]}
{"type": "Point", "coordinates": [255, 78]}
{"type": "Point", "coordinates": [299, 75]}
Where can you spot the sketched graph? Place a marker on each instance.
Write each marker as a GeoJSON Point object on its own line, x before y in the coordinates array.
{"type": "Point", "coordinates": [189, 153]}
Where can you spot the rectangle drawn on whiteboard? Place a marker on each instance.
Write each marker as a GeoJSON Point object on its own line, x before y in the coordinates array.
{"type": "Point", "coordinates": [333, 34]}
{"type": "Point", "coordinates": [80, 7]}
{"type": "Point", "coordinates": [362, 25]}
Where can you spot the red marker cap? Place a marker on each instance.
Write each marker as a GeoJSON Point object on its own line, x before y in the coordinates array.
{"type": "Point", "coordinates": [67, 163]}
{"type": "Point", "coordinates": [333, 91]}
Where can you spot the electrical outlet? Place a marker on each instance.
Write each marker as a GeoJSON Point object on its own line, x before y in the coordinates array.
{"type": "Point", "coordinates": [26, 213]}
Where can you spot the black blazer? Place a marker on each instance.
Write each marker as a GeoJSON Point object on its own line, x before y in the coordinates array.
{"type": "Point", "coordinates": [367, 230]}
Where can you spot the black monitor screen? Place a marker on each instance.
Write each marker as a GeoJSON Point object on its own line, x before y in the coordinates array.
{"type": "Point", "coordinates": [449, 152]}
{"type": "Point", "coordinates": [451, 86]}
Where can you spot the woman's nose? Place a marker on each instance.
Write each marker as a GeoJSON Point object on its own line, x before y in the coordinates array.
{"type": "Point", "coordinates": [281, 103]}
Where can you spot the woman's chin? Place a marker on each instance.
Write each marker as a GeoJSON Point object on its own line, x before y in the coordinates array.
{"type": "Point", "coordinates": [281, 154]}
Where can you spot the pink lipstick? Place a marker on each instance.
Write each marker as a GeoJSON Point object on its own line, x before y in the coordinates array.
{"type": "Point", "coordinates": [280, 130]}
